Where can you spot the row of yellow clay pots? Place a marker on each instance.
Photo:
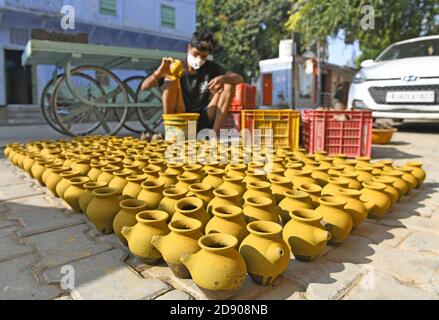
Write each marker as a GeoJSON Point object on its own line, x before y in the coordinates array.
{"type": "Point", "coordinates": [291, 195]}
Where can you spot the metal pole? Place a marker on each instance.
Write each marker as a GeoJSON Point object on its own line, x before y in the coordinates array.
{"type": "Point", "coordinates": [293, 73]}
{"type": "Point", "coordinates": [319, 77]}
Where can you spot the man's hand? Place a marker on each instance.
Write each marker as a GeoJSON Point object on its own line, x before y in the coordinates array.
{"type": "Point", "coordinates": [217, 84]}
{"type": "Point", "coordinates": [163, 70]}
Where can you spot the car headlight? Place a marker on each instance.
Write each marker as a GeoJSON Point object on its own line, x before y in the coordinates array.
{"type": "Point", "coordinates": [359, 77]}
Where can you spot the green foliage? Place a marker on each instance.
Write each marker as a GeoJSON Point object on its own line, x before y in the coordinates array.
{"type": "Point", "coordinates": [246, 31]}
{"type": "Point", "coordinates": [394, 21]}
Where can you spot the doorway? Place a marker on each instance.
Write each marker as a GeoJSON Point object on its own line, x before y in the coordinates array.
{"type": "Point", "coordinates": [18, 79]}
{"type": "Point", "coordinates": [267, 83]}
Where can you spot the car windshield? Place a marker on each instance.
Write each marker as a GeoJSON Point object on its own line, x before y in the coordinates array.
{"type": "Point", "coordinates": [422, 48]}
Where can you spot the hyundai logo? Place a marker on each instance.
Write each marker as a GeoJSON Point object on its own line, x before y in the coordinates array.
{"type": "Point", "coordinates": [410, 78]}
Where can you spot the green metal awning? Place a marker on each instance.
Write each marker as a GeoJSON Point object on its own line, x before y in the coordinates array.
{"type": "Point", "coordinates": [44, 52]}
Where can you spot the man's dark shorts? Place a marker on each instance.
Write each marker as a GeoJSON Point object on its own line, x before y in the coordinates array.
{"type": "Point", "coordinates": [203, 121]}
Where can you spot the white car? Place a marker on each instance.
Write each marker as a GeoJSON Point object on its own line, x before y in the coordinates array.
{"type": "Point", "coordinates": [402, 83]}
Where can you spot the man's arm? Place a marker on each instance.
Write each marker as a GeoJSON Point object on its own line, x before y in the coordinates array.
{"type": "Point", "coordinates": [233, 78]}
{"type": "Point", "coordinates": [161, 72]}
{"type": "Point", "coordinates": [217, 84]}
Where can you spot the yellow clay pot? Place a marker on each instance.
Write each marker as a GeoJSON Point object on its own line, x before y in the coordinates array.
{"type": "Point", "coordinates": [147, 225]}
{"type": "Point", "coordinates": [29, 161]}
{"type": "Point", "coordinates": [87, 196]}
{"type": "Point", "coordinates": [278, 187]}
{"type": "Point", "coordinates": [233, 183]}
{"type": "Point", "coordinates": [378, 168]}
{"type": "Point", "coordinates": [417, 171]}
{"type": "Point", "coordinates": [408, 177]}
{"type": "Point", "coordinates": [194, 171]}
{"type": "Point", "coordinates": [107, 173]}
{"type": "Point", "coordinates": [53, 178]}
{"type": "Point", "coordinates": [217, 266]}
{"type": "Point", "coordinates": [170, 198]}
{"type": "Point", "coordinates": [314, 191]}
{"type": "Point", "coordinates": [126, 216]}
{"type": "Point", "coordinates": [376, 200]}
{"type": "Point", "coordinates": [339, 158]}
{"type": "Point", "coordinates": [103, 208]}
{"type": "Point", "coordinates": [259, 189]}
{"type": "Point", "coordinates": [214, 177]}
{"type": "Point", "coordinates": [64, 183]}
{"type": "Point", "coordinates": [351, 176]}
{"type": "Point", "coordinates": [365, 173]}
{"type": "Point", "coordinates": [291, 168]}
{"type": "Point", "coordinates": [336, 219]}
{"type": "Point", "coordinates": [363, 160]}
{"type": "Point", "coordinates": [201, 191]}
{"type": "Point", "coordinates": [265, 252]}
{"type": "Point", "coordinates": [185, 181]}
{"type": "Point", "coordinates": [335, 183]}
{"type": "Point", "coordinates": [229, 220]}
{"type": "Point", "coordinates": [191, 207]}
{"type": "Point", "coordinates": [183, 238]}
{"type": "Point", "coordinates": [119, 181]}
{"type": "Point", "coordinates": [141, 161]}
{"type": "Point", "coordinates": [399, 183]}
{"type": "Point", "coordinates": [152, 193]}
{"type": "Point", "coordinates": [321, 174]}
{"type": "Point", "coordinates": [175, 168]}
{"type": "Point", "coordinates": [81, 165]}
{"type": "Point", "coordinates": [38, 169]}
{"type": "Point", "coordinates": [151, 172]}
{"type": "Point", "coordinates": [74, 191]}
{"type": "Point", "coordinates": [294, 199]}
{"type": "Point", "coordinates": [224, 197]}
{"type": "Point", "coordinates": [261, 209]}
{"type": "Point", "coordinates": [390, 190]}
{"type": "Point", "coordinates": [236, 169]}
{"type": "Point", "coordinates": [388, 164]}
{"type": "Point", "coordinates": [96, 170]}
{"type": "Point", "coordinates": [303, 177]}
{"type": "Point", "coordinates": [255, 175]}
{"type": "Point", "coordinates": [354, 206]}
{"type": "Point", "coordinates": [134, 185]}
{"type": "Point", "coordinates": [305, 235]}
{"type": "Point", "coordinates": [161, 163]}
{"type": "Point", "coordinates": [48, 171]}
{"type": "Point", "coordinates": [276, 173]}
{"type": "Point", "coordinates": [168, 179]}
{"type": "Point", "coordinates": [349, 164]}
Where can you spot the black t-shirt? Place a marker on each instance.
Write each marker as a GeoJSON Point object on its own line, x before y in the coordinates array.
{"type": "Point", "coordinates": [196, 93]}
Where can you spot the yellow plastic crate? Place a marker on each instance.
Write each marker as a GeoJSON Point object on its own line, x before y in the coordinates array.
{"type": "Point", "coordinates": [283, 123]}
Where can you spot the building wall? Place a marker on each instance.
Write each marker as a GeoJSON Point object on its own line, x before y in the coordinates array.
{"type": "Point", "coordinates": [137, 23]}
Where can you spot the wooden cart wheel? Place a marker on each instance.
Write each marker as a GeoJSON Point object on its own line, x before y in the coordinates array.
{"type": "Point", "coordinates": [100, 86]}
{"type": "Point", "coordinates": [132, 123]}
{"type": "Point", "coordinates": [46, 105]}
{"type": "Point", "coordinates": [151, 115]}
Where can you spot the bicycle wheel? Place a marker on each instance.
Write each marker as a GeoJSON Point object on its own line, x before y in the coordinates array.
{"type": "Point", "coordinates": [132, 123]}
{"type": "Point", "coordinates": [100, 86]}
{"type": "Point", "coordinates": [150, 116]}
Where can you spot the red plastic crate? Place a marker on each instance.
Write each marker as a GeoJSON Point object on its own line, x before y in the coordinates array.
{"type": "Point", "coordinates": [345, 132]}
{"type": "Point", "coordinates": [233, 121]}
{"type": "Point", "coordinates": [244, 98]}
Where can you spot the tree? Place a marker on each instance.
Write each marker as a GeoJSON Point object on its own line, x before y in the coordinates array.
{"type": "Point", "coordinates": [394, 21]}
{"type": "Point", "coordinates": [246, 31]}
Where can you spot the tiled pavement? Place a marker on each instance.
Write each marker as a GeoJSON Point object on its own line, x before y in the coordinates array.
{"type": "Point", "coordinates": [394, 258]}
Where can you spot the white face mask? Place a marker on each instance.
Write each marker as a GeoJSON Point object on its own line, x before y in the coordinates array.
{"type": "Point", "coordinates": [195, 62]}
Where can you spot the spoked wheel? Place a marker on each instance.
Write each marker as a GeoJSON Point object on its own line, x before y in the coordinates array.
{"type": "Point", "coordinates": [131, 86]}
{"type": "Point", "coordinates": [151, 116]}
{"type": "Point", "coordinates": [46, 105]}
{"type": "Point", "coordinates": [91, 84]}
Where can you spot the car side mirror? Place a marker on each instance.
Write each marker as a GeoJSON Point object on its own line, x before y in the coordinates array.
{"type": "Point", "coordinates": [367, 63]}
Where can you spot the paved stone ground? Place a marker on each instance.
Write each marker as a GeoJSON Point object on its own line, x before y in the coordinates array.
{"type": "Point", "coordinates": [394, 258]}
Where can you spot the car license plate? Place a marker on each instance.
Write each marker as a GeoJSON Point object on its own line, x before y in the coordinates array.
{"type": "Point", "coordinates": [410, 96]}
